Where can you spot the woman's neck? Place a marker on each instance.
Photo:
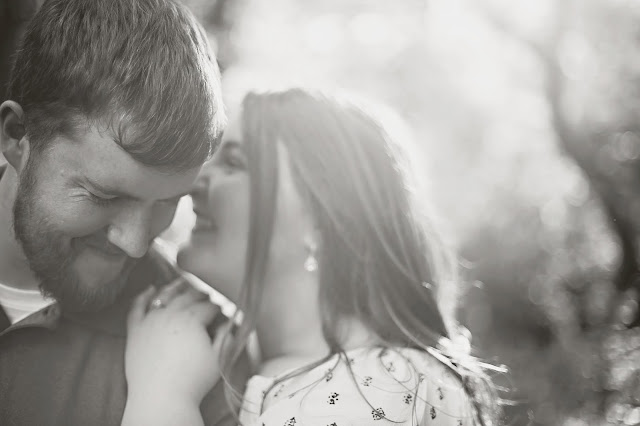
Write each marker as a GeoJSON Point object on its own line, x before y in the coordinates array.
{"type": "Point", "coordinates": [289, 326]}
{"type": "Point", "coordinates": [290, 336]}
{"type": "Point", "coordinates": [303, 343]}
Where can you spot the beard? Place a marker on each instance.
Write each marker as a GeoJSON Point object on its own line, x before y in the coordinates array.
{"type": "Point", "coordinates": [52, 257]}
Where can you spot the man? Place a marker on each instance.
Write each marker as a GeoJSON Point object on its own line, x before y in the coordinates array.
{"type": "Point", "coordinates": [113, 106]}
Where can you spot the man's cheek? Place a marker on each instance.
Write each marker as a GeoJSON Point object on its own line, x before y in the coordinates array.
{"type": "Point", "coordinates": [75, 223]}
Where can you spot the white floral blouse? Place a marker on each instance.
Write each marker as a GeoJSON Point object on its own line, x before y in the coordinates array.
{"type": "Point", "coordinates": [368, 386]}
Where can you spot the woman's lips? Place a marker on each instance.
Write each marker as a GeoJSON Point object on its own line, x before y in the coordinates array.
{"type": "Point", "coordinates": [203, 223]}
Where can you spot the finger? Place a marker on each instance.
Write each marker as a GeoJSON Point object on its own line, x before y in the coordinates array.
{"type": "Point", "coordinates": [167, 293]}
{"type": "Point", "coordinates": [187, 298]}
{"type": "Point", "coordinates": [204, 311]}
{"type": "Point", "coordinates": [139, 306]}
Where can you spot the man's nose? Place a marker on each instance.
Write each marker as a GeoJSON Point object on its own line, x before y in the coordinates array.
{"type": "Point", "coordinates": [130, 230]}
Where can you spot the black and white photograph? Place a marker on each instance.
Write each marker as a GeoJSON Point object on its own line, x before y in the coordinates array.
{"type": "Point", "coordinates": [319, 212]}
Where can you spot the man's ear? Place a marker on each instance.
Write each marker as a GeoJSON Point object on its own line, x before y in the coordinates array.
{"type": "Point", "coordinates": [14, 144]}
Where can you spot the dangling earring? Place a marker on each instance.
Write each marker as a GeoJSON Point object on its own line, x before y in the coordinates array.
{"type": "Point", "coordinates": [311, 263]}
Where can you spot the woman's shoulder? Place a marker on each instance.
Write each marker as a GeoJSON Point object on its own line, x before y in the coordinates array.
{"type": "Point", "coordinates": [387, 385]}
{"type": "Point", "coordinates": [443, 394]}
{"type": "Point", "coordinates": [437, 390]}
{"type": "Point", "coordinates": [401, 365]}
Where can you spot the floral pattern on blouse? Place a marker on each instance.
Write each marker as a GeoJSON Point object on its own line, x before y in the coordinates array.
{"type": "Point", "coordinates": [370, 386]}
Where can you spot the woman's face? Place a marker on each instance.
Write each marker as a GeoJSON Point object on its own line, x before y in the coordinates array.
{"type": "Point", "coordinates": [217, 248]}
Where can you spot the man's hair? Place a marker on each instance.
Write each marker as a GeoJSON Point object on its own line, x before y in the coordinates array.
{"type": "Point", "coordinates": [143, 68]}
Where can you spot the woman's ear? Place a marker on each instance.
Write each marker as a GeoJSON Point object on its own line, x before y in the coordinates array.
{"type": "Point", "coordinates": [312, 238]}
{"type": "Point", "coordinates": [311, 244]}
{"type": "Point", "coordinates": [14, 144]}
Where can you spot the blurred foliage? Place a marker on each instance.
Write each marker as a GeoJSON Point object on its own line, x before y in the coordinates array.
{"type": "Point", "coordinates": [526, 113]}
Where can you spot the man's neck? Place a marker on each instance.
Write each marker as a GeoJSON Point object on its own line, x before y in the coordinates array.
{"type": "Point", "coordinates": [14, 267]}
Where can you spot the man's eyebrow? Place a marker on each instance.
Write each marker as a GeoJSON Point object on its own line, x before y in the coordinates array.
{"type": "Point", "coordinates": [122, 194]}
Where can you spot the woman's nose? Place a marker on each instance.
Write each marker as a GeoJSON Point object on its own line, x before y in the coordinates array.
{"type": "Point", "coordinates": [199, 186]}
{"type": "Point", "coordinates": [202, 182]}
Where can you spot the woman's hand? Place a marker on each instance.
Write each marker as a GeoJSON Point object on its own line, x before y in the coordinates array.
{"type": "Point", "coordinates": [170, 361]}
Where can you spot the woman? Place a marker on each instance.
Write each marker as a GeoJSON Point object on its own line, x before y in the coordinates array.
{"type": "Point", "coordinates": [306, 220]}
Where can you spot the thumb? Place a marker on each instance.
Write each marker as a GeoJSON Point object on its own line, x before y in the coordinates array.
{"type": "Point", "coordinates": [139, 307]}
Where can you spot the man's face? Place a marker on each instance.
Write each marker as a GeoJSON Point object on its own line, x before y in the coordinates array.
{"type": "Point", "coordinates": [85, 211]}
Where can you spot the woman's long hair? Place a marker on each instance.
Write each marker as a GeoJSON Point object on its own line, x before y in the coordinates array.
{"type": "Point", "coordinates": [381, 261]}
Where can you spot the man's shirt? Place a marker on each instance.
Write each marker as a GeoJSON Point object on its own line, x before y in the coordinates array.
{"type": "Point", "coordinates": [19, 303]}
{"type": "Point", "coordinates": [67, 369]}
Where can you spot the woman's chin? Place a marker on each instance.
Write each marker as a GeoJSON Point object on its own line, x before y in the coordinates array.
{"type": "Point", "coordinates": [200, 264]}
{"type": "Point", "coordinates": [192, 251]}
{"type": "Point", "coordinates": [214, 261]}
{"type": "Point", "coordinates": [188, 261]}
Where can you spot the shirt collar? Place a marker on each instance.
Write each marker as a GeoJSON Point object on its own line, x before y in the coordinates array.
{"type": "Point", "coordinates": [4, 320]}
{"type": "Point", "coordinates": [47, 317]}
